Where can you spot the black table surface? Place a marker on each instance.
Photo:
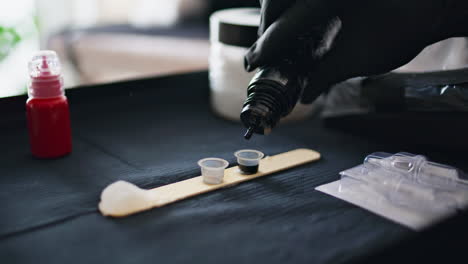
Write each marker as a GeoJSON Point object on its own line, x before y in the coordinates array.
{"type": "Point", "coordinates": [152, 132]}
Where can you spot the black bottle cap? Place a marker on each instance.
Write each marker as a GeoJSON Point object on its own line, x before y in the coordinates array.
{"type": "Point", "coordinates": [236, 27]}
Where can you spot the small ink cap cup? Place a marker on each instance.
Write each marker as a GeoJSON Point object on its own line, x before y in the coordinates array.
{"type": "Point", "coordinates": [212, 170]}
{"type": "Point", "coordinates": [248, 157]}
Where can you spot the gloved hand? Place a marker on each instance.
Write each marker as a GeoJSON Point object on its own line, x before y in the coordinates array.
{"type": "Point", "coordinates": [335, 40]}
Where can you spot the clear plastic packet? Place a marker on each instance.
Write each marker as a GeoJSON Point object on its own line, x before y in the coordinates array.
{"type": "Point", "coordinates": [409, 181]}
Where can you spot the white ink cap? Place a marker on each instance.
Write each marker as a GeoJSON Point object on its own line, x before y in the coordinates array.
{"type": "Point", "coordinates": [212, 170]}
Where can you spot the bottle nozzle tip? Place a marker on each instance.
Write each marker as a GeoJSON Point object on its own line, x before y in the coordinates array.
{"type": "Point", "coordinates": [249, 133]}
{"type": "Point", "coordinates": [44, 64]}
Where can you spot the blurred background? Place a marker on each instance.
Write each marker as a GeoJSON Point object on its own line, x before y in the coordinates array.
{"type": "Point", "coordinates": [106, 40]}
{"type": "Point", "coordinates": [110, 40]}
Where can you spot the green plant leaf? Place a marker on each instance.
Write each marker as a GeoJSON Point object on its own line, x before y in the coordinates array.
{"type": "Point", "coordinates": [9, 38]}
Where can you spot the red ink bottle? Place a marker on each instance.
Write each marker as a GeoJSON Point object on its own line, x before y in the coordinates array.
{"type": "Point", "coordinates": [47, 108]}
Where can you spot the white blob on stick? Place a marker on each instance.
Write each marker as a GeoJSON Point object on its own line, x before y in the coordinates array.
{"type": "Point", "coordinates": [122, 198]}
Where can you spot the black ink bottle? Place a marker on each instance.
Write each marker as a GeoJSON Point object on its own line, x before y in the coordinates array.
{"type": "Point", "coordinates": [271, 95]}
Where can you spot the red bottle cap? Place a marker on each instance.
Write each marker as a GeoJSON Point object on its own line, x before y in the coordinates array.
{"type": "Point", "coordinates": [46, 77]}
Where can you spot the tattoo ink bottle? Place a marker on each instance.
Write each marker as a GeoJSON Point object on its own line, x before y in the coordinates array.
{"type": "Point", "coordinates": [232, 32]}
{"type": "Point", "coordinates": [274, 91]}
{"type": "Point", "coordinates": [271, 95]}
{"type": "Point", "coordinates": [47, 108]}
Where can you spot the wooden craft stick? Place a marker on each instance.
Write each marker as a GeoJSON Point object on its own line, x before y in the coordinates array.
{"type": "Point", "coordinates": [121, 198]}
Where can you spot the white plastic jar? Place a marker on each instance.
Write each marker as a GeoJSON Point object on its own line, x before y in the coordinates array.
{"type": "Point", "coordinates": [232, 32]}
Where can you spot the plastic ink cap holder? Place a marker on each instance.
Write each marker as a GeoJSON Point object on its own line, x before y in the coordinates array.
{"type": "Point", "coordinates": [212, 170]}
{"type": "Point", "coordinates": [248, 160]}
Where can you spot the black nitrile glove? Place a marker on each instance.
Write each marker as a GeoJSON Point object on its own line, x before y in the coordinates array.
{"type": "Point", "coordinates": [334, 40]}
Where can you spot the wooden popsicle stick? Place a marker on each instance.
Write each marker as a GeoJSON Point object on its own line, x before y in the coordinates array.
{"type": "Point", "coordinates": [177, 191]}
